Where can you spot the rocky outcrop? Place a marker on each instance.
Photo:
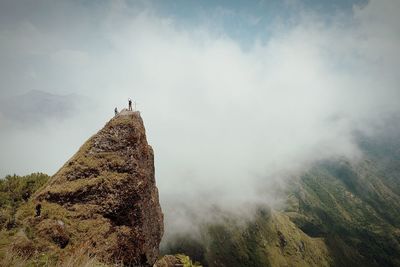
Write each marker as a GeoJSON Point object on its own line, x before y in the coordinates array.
{"type": "Point", "coordinates": [105, 197]}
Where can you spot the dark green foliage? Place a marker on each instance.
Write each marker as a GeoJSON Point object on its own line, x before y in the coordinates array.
{"type": "Point", "coordinates": [354, 208]}
{"type": "Point", "coordinates": [15, 190]}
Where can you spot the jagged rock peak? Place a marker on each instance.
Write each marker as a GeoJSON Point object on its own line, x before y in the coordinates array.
{"type": "Point", "coordinates": [107, 197]}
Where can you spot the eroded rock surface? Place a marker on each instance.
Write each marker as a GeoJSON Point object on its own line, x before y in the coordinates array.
{"type": "Point", "coordinates": [106, 196]}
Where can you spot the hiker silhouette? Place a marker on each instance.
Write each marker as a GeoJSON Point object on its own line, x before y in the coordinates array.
{"type": "Point", "coordinates": [38, 209]}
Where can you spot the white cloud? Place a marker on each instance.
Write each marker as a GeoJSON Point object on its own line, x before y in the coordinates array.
{"type": "Point", "coordinates": [227, 123]}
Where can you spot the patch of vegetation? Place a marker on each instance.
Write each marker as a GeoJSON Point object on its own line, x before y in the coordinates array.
{"type": "Point", "coordinates": [14, 191]}
{"type": "Point", "coordinates": [79, 258]}
{"type": "Point", "coordinates": [187, 262]}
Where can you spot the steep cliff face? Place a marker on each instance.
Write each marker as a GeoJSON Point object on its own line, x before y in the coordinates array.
{"type": "Point", "coordinates": [105, 199]}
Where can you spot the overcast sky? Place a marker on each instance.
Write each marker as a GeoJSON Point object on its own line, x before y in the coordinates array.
{"type": "Point", "coordinates": [235, 95]}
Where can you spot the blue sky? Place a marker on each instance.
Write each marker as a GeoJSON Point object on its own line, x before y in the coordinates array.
{"type": "Point", "coordinates": [246, 21]}
{"type": "Point", "coordinates": [243, 21]}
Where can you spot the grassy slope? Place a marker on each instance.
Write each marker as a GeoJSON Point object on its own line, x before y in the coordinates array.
{"type": "Point", "coordinates": [14, 191]}
{"type": "Point", "coordinates": [18, 240]}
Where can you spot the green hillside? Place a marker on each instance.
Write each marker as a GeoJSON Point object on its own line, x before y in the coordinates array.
{"type": "Point", "coordinates": [355, 207]}
{"type": "Point", "coordinates": [338, 213]}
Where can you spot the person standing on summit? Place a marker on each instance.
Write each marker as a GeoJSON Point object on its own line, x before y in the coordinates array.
{"type": "Point", "coordinates": [130, 104]}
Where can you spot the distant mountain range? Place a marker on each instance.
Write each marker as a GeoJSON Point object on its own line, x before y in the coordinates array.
{"type": "Point", "coordinates": [35, 107]}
